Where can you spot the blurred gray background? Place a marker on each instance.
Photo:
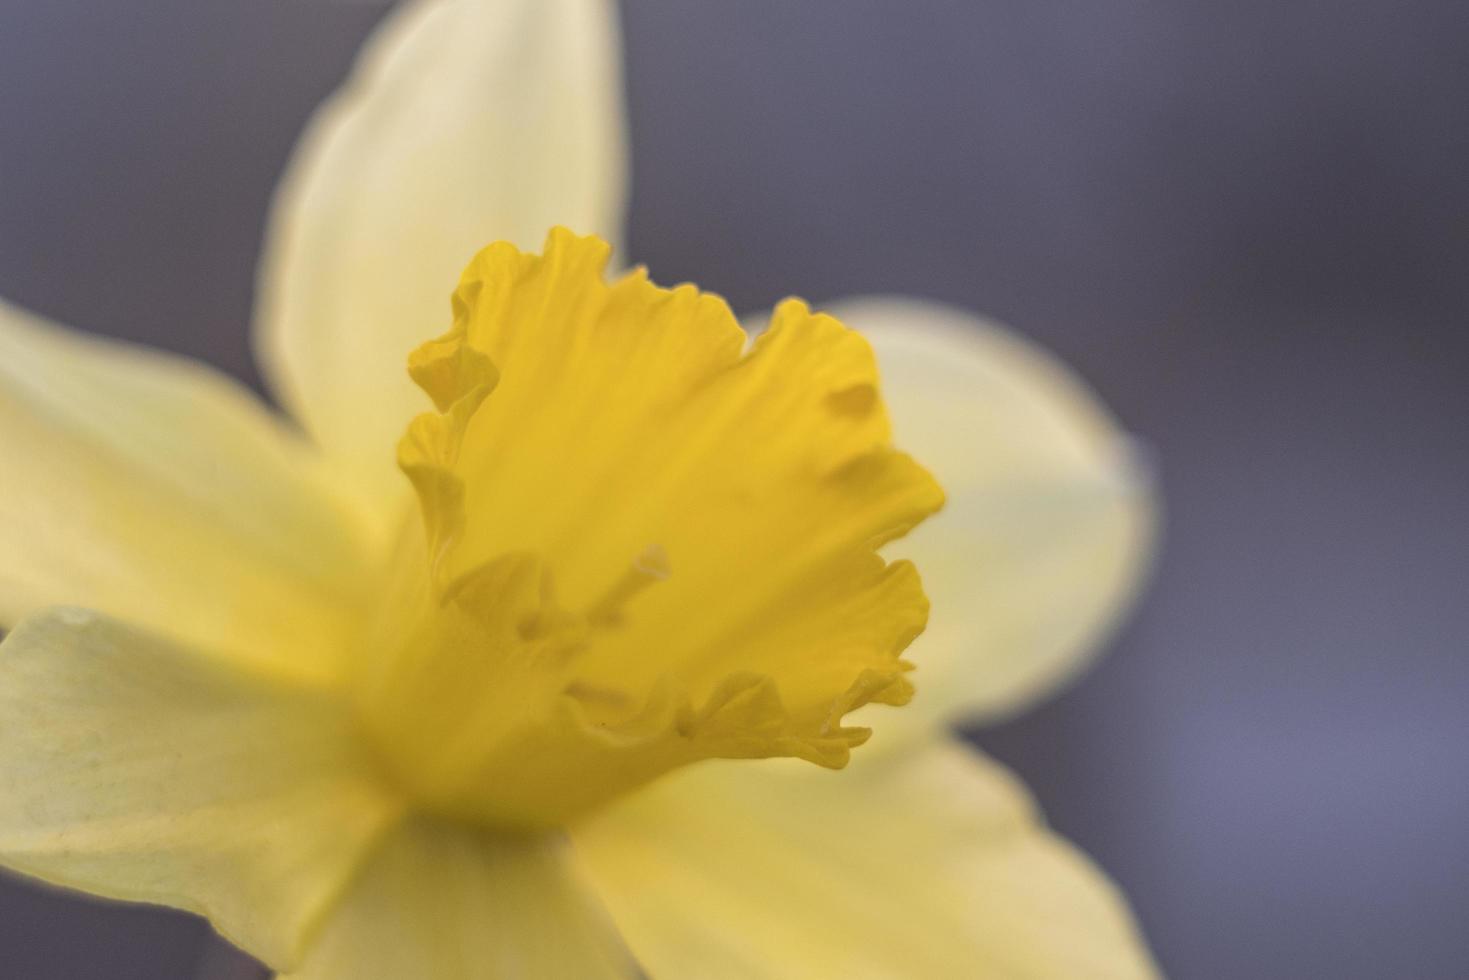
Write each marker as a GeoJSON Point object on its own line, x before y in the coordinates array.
{"type": "Point", "coordinates": [1247, 223]}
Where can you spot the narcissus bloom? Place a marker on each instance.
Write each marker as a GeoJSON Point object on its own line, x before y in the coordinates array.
{"type": "Point", "coordinates": [576, 681]}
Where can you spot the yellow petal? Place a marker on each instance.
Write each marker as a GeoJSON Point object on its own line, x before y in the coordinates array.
{"type": "Point", "coordinates": [156, 490]}
{"type": "Point", "coordinates": [464, 122]}
{"type": "Point", "coordinates": [1050, 517]}
{"type": "Point", "coordinates": [442, 902]}
{"type": "Point", "coordinates": [138, 770]}
{"type": "Point", "coordinates": [647, 546]}
{"type": "Point", "coordinates": [930, 863]}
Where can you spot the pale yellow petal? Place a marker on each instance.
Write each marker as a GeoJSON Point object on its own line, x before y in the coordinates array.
{"type": "Point", "coordinates": [930, 863]}
{"type": "Point", "coordinates": [134, 769]}
{"type": "Point", "coordinates": [158, 491]}
{"type": "Point", "coordinates": [443, 902]}
{"type": "Point", "coordinates": [464, 122]}
{"type": "Point", "coordinates": [1050, 517]}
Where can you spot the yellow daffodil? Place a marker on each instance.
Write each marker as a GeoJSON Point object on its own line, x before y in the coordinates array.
{"type": "Point", "coordinates": [467, 681]}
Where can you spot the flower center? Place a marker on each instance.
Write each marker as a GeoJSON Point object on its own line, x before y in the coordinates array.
{"type": "Point", "coordinates": [641, 545]}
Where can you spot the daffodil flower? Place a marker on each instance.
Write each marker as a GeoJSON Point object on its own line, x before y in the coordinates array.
{"type": "Point", "coordinates": [491, 705]}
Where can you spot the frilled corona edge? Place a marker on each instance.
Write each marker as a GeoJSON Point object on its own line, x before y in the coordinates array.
{"type": "Point", "coordinates": [685, 530]}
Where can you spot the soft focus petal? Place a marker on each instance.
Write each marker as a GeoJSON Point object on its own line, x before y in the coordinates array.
{"type": "Point", "coordinates": [1050, 517]}
{"type": "Point", "coordinates": [444, 902]}
{"type": "Point", "coordinates": [929, 863]}
{"type": "Point", "coordinates": [156, 490]}
{"type": "Point", "coordinates": [465, 122]}
{"type": "Point", "coordinates": [137, 770]}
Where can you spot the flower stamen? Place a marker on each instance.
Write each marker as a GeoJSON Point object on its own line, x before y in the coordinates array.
{"type": "Point", "coordinates": [650, 567]}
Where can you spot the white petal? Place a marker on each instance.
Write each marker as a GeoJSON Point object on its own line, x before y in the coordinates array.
{"type": "Point", "coordinates": [156, 490]}
{"type": "Point", "coordinates": [444, 902]}
{"type": "Point", "coordinates": [464, 122]}
{"type": "Point", "coordinates": [930, 863]}
{"type": "Point", "coordinates": [1049, 521]}
{"type": "Point", "coordinates": [138, 770]}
